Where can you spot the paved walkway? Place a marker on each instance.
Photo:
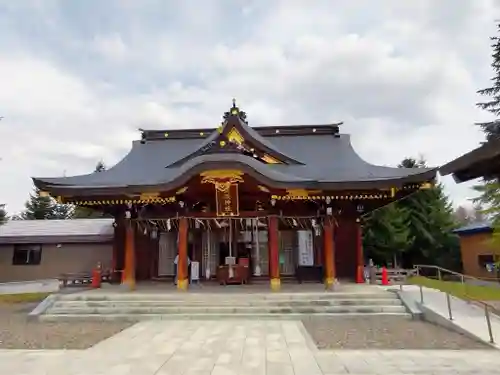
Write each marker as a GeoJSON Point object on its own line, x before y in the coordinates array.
{"type": "Point", "coordinates": [235, 347]}
{"type": "Point", "coordinates": [468, 316]}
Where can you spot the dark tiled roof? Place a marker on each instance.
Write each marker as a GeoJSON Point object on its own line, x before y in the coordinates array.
{"type": "Point", "coordinates": [477, 227]}
{"type": "Point", "coordinates": [479, 162]}
{"type": "Point", "coordinates": [326, 159]}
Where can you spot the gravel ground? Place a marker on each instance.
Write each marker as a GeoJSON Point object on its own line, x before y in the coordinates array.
{"type": "Point", "coordinates": [384, 333]}
{"type": "Point", "coordinates": [17, 333]}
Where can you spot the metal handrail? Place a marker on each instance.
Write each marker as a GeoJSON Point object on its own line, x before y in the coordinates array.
{"type": "Point", "coordinates": [487, 306]}
{"type": "Point", "coordinates": [461, 275]}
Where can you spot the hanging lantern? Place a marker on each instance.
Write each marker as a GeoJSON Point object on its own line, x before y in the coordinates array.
{"type": "Point", "coordinates": [154, 234]}
{"type": "Point", "coordinates": [169, 225]}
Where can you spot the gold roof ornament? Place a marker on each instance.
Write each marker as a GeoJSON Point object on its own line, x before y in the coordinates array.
{"type": "Point", "coordinates": [218, 175]}
{"type": "Point", "coordinates": [235, 136]}
{"type": "Point", "coordinates": [426, 185]}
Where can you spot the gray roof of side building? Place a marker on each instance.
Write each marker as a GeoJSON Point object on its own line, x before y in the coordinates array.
{"type": "Point", "coordinates": [55, 231]}
{"type": "Point", "coordinates": [326, 159]}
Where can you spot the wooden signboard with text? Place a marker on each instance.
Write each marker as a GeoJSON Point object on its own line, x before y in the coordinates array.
{"type": "Point", "coordinates": [226, 198]}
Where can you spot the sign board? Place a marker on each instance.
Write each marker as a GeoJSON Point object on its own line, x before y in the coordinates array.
{"type": "Point", "coordinates": [195, 271]}
{"type": "Point", "coordinates": [305, 248]}
{"type": "Point", "coordinates": [227, 200]}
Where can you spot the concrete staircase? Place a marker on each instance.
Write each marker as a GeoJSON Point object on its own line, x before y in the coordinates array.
{"type": "Point", "coordinates": [139, 306]}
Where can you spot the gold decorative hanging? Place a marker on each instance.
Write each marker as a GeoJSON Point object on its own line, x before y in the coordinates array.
{"type": "Point", "coordinates": [226, 190]}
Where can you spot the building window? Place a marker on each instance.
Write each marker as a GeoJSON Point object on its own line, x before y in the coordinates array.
{"type": "Point", "coordinates": [485, 259]}
{"type": "Point", "coordinates": [27, 255]}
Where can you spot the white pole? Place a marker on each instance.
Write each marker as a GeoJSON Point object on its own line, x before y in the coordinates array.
{"type": "Point", "coordinates": [257, 248]}
{"type": "Point", "coordinates": [230, 240]}
{"type": "Point", "coordinates": [231, 271]}
{"type": "Point", "coordinates": [209, 254]}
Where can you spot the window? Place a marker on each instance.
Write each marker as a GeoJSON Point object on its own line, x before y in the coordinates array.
{"type": "Point", "coordinates": [485, 259]}
{"type": "Point", "coordinates": [27, 255]}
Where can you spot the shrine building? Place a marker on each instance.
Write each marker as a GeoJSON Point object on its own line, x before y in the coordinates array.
{"type": "Point", "coordinates": [239, 203]}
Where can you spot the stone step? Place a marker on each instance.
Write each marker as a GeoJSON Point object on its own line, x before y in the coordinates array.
{"type": "Point", "coordinates": [218, 297]}
{"type": "Point", "coordinates": [134, 317]}
{"type": "Point", "coordinates": [234, 303]}
{"type": "Point", "coordinates": [193, 310]}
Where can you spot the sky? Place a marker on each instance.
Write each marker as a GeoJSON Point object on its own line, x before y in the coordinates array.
{"type": "Point", "coordinates": [79, 78]}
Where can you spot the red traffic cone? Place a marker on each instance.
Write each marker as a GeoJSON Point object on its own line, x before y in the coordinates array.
{"type": "Point", "coordinates": [385, 278]}
{"type": "Point", "coordinates": [360, 277]}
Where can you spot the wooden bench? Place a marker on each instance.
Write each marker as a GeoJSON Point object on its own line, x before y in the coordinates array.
{"type": "Point", "coordinates": [82, 278]}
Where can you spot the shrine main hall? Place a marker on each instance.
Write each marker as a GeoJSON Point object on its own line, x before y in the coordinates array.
{"type": "Point", "coordinates": [239, 203]}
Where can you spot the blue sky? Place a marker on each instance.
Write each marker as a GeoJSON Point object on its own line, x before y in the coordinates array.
{"type": "Point", "coordinates": [79, 77]}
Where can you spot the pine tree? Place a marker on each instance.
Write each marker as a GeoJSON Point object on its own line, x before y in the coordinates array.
{"type": "Point", "coordinates": [386, 235]}
{"type": "Point", "coordinates": [431, 223]}
{"type": "Point", "coordinates": [3, 214]}
{"type": "Point", "coordinates": [44, 207]}
{"type": "Point", "coordinates": [490, 198]}
{"type": "Point", "coordinates": [490, 188]}
{"type": "Point", "coordinates": [100, 166]}
{"type": "Point", "coordinates": [492, 93]}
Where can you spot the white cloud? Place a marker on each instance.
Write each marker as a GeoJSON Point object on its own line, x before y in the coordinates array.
{"type": "Point", "coordinates": [111, 47]}
{"type": "Point", "coordinates": [401, 75]}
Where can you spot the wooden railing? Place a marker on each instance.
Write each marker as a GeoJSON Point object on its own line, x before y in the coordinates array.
{"type": "Point", "coordinates": [396, 276]}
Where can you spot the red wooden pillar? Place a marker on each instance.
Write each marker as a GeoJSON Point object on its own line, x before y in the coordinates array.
{"type": "Point", "coordinates": [360, 262]}
{"type": "Point", "coordinates": [182, 266]}
{"type": "Point", "coordinates": [329, 252]}
{"type": "Point", "coordinates": [274, 256]}
{"type": "Point", "coordinates": [129, 269]}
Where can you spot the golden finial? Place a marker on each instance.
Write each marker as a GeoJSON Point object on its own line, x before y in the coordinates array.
{"type": "Point", "coordinates": [234, 109]}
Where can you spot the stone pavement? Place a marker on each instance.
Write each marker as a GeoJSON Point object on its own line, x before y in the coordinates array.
{"type": "Point", "coordinates": [467, 316]}
{"type": "Point", "coordinates": [235, 347]}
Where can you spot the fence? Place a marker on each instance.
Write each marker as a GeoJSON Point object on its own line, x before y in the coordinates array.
{"type": "Point", "coordinates": [462, 285]}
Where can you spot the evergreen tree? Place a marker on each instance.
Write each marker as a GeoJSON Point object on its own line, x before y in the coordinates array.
{"type": "Point", "coordinates": [492, 93]}
{"type": "Point", "coordinates": [85, 212]}
{"type": "Point", "coordinates": [490, 198]}
{"type": "Point", "coordinates": [431, 224]}
{"type": "Point", "coordinates": [43, 207]}
{"type": "Point", "coordinates": [490, 189]}
{"type": "Point", "coordinates": [100, 166]}
{"type": "Point", "coordinates": [3, 214]}
{"type": "Point", "coordinates": [386, 234]}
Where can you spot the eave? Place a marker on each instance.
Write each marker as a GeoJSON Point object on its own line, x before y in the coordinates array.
{"type": "Point", "coordinates": [275, 180]}
{"type": "Point", "coordinates": [483, 161]}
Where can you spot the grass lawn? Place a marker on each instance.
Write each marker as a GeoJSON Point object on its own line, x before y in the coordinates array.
{"type": "Point", "coordinates": [464, 291]}
{"type": "Point", "coordinates": [22, 297]}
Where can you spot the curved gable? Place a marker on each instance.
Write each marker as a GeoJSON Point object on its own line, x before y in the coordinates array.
{"type": "Point", "coordinates": [236, 136]}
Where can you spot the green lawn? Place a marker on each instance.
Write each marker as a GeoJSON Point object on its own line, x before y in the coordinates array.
{"type": "Point", "coordinates": [464, 291]}
{"type": "Point", "coordinates": [22, 297]}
